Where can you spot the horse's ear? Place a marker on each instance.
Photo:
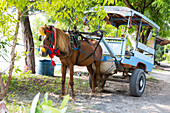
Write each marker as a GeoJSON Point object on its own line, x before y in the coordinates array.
{"type": "Point", "coordinates": [41, 31]}
{"type": "Point", "coordinates": [51, 28]}
{"type": "Point", "coordinates": [45, 26]}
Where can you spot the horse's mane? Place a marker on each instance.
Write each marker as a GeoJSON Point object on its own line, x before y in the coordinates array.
{"type": "Point", "coordinates": [63, 42]}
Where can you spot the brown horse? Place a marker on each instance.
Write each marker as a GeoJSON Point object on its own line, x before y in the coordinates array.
{"type": "Point", "coordinates": [69, 56]}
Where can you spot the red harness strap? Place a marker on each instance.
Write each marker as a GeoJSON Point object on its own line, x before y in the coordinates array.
{"type": "Point", "coordinates": [54, 51]}
{"type": "Point", "coordinates": [52, 33]}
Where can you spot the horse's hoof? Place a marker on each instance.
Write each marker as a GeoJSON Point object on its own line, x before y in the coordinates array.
{"type": "Point", "coordinates": [61, 96]}
{"type": "Point", "coordinates": [92, 94]}
{"type": "Point", "coordinates": [99, 91]}
{"type": "Point", "coordinates": [98, 94]}
{"type": "Point", "coordinates": [73, 99]}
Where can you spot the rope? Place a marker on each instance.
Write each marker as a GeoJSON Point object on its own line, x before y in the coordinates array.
{"type": "Point", "coordinates": [24, 45]}
{"type": "Point", "coordinates": [3, 72]}
{"type": "Point", "coordinates": [9, 61]}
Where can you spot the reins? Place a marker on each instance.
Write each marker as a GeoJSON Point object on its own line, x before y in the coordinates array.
{"type": "Point", "coordinates": [98, 33]}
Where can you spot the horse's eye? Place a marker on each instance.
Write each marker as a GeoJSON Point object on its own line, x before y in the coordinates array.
{"type": "Point", "coordinates": [40, 38]}
{"type": "Point", "coordinates": [48, 38]}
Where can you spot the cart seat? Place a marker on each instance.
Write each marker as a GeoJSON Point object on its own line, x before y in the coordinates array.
{"type": "Point", "coordinates": [128, 54]}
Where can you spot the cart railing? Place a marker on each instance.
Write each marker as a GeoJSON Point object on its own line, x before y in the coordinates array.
{"type": "Point", "coordinates": [145, 48]}
{"type": "Point", "coordinates": [115, 47]}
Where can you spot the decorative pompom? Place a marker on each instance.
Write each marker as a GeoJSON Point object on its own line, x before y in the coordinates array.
{"type": "Point", "coordinates": [43, 49]}
{"type": "Point", "coordinates": [51, 56]}
{"type": "Point", "coordinates": [53, 63]}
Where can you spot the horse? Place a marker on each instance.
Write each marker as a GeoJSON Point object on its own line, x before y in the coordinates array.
{"type": "Point", "coordinates": [69, 55]}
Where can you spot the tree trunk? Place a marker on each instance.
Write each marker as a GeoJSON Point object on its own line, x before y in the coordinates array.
{"type": "Point", "coordinates": [28, 43]}
{"type": "Point", "coordinates": [146, 35]}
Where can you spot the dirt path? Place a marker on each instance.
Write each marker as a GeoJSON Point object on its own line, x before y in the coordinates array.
{"type": "Point", "coordinates": [115, 97]}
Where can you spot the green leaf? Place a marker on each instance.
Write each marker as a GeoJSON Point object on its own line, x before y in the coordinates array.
{"type": "Point", "coordinates": [46, 97]}
{"type": "Point", "coordinates": [65, 101]}
{"type": "Point", "coordinates": [34, 103]}
{"type": "Point", "coordinates": [49, 103]}
{"type": "Point", "coordinates": [105, 1]}
{"type": "Point", "coordinates": [49, 109]}
{"type": "Point", "coordinates": [63, 110]}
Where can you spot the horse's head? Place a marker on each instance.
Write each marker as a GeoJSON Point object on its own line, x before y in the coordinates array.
{"type": "Point", "coordinates": [46, 32]}
{"type": "Point", "coordinates": [59, 46]}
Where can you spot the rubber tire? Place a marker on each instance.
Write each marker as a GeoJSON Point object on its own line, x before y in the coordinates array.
{"type": "Point", "coordinates": [137, 86]}
{"type": "Point", "coordinates": [102, 83]}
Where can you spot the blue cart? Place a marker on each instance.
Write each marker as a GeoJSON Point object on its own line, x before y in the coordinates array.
{"type": "Point", "coordinates": [135, 59]}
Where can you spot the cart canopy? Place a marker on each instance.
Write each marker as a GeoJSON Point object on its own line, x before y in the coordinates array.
{"type": "Point", "coordinates": [119, 16]}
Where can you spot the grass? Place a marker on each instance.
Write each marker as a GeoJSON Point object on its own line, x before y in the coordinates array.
{"type": "Point", "coordinates": [153, 79]}
{"type": "Point", "coordinates": [25, 86]}
{"type": "Point", "coordinates": [155, 69]}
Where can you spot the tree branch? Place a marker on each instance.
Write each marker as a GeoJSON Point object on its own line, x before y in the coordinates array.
{"type": "Point", "coordinates": [128, 4]}
{"type": "Point", "coordinates": [24, 12]}
{"type": "Point", "coordinates": [149, 4]}
{"type": "Point", "coordinates": [2, 84]}
{"type": "Point", "coordinates": [142, 11]}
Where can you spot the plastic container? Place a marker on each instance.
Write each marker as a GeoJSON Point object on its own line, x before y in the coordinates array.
{"type": "Point", "coordinates": [45, 68]}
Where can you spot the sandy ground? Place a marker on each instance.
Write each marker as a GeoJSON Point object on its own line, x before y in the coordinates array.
{"type": "Point", "coordinates": [115, 97]}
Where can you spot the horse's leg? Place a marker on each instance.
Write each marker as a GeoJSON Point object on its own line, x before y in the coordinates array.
{"type": "Point", "coordinates": [63, 71]}
{"type": "Point", "coordinates": [90, 70]}
{"type": "Point", "coordinates": [71, 67]}
{"type": "Point", "coordinates": [97, 64]}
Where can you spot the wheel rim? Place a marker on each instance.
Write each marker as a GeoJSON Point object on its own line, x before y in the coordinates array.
{"type": "Point", "coordinates": [141, 83]}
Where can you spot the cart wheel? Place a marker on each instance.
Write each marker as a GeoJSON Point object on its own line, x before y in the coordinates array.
{"type": "Point", "coordinates": [137, 82]}
{"type": "Point", "coordinates": [102, 83]}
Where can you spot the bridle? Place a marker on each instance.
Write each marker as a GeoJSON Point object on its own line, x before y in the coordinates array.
{"type": "Point", "coordinates": [52, 52]}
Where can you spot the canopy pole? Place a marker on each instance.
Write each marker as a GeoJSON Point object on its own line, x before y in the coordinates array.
{"type": "Point", "coordinates": [139, 33]}
{"type": "Point", "coordinates": [128, 25]}
{"type": "Point", "coordinates": [116, 32]}
{"type": "Point", "coordinates": [155, 40]}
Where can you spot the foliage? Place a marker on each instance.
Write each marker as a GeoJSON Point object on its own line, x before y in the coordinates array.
{"type": "Point", "coordinates": [62, 10]}
{"type": "Point", "coordinates": [162, 53]}
{"type": "Point", "coordinates": [156, 10]}
{"type": "Point", "coordinates": [8, 19]}
{"type": "Point", "coordinates": [46, 105]}
{"type": "Point", "coordinates": [159, 53]}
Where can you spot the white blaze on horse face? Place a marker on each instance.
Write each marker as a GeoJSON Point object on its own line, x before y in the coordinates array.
{"type": "Point", "coordinates": [40, 52]}
{"type": "Point", "coordinates": [43, 51]}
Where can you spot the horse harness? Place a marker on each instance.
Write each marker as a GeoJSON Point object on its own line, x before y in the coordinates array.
{"type": "Point", "coordinates": [74, 40]}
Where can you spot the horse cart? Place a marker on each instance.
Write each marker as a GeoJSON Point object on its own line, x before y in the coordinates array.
{"type": "Point", "coordinates": [123, 53]}
{"type": "Point", "coordinates": [133, 60]}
